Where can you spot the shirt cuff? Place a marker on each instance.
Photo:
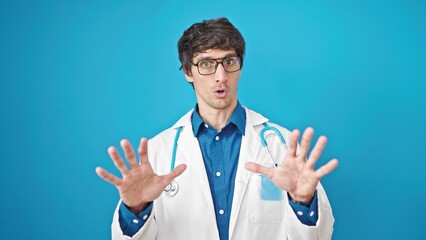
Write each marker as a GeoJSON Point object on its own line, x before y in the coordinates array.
{"type": "Point", "coordinates": [307, 215]}
{"type": "Point", "coordinates": [130, 223]}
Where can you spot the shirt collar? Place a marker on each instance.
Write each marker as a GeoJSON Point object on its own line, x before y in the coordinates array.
{"type": "Point", "coordinates": [196, 120]}
{"type": "Point", "coordinates": [238, 118]}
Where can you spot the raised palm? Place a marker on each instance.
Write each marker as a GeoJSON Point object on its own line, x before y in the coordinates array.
{"type": "Point", "coordinates": [139, 184]}
{"type": "Point", "coordinates": [296, 175]}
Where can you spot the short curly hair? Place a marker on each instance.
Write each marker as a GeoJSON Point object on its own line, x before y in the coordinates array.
{"type": "Point", "coordinates": [209, 34]}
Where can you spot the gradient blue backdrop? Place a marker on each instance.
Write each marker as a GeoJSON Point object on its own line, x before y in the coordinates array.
{"type": "Point", "coordinates": [78, 76]}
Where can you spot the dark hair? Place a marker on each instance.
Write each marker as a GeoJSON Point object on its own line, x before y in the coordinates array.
{"type": "Point", "coordinates": [209, 34]}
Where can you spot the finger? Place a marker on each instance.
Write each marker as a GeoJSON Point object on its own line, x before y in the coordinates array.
{"type": "Point", "coordinates": [292, 145]}
{"type": "Point", "coordinates": [173, 174]}
{"type": "Point", "coordinates": [108, 176]}
{"type": "Point", "coordinates": [118, 162]}
{"type": "Point", "coordinates": [327, 168]}
{"type": "Point", "coordinates": [256, 168]}
{"type": "Point", "coordinates": [317, 151]}
{"type": "Point", "coordinates": [306, 143]}
{"type": "Point", "coordinates": [129, 153]}
{"type": "Point", "coordinates": [143, 150]}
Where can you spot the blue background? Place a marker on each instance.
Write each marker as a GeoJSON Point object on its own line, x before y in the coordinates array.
{"type": "Point", "coordinates": [78, 76]}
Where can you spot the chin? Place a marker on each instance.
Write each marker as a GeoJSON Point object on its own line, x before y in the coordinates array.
{"type": "Point", "coordinates": [221, 104]}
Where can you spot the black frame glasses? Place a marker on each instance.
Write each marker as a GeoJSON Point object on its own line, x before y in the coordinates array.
{"type": "Point", "coordinates": [211, 65]}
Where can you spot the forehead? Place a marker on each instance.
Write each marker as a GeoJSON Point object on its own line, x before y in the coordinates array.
{"type": "Point", "coordinates": [213, 53]}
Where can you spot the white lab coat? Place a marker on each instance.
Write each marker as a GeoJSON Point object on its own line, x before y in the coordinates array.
{"type": "Point", "coordinates": [190, 213]}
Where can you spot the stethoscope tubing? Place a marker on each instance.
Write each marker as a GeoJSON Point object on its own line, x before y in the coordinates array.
{"type": "Point", "coordinates": [172, 164]}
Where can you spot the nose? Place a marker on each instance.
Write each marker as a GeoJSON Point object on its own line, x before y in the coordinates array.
{"type": "Point", "coordinates": [220, 74]}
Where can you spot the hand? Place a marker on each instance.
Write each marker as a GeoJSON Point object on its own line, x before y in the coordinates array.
{"type": "Point", "coordinates": [139, 184]}
{"type": "Point", "coordinates": [296, 175]}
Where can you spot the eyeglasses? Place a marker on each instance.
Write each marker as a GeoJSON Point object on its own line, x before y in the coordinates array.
{"type": "Point", "coordinates": [209, 66]}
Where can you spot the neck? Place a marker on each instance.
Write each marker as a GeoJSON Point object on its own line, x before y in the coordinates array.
{"type": "Point", "coordinates": [217, 118]}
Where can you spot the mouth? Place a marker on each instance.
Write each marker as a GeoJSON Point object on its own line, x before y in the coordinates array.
{"type": "Point", "coordinates": [220, 93]}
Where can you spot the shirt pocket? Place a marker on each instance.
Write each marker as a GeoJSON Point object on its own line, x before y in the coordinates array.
{"type": "Point", "coordinates": [263, 211]}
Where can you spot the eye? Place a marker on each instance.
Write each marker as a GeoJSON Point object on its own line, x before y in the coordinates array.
{"type": "Point", "coordinates": [229, 61]}
{"type": "Point", "coordinates": [206, 63]}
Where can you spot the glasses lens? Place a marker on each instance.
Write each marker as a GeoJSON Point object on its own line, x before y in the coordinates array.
{"type": "Point", "coordinates": [231, 64]}
{"type": "Point", "coordinates": [207, 66]}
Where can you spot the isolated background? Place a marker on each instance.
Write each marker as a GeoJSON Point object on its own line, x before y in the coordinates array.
{"type": "Point", "coordinates": [78, 76]}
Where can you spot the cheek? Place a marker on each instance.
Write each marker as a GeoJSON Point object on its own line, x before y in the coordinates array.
{"type": "Point", "coordinates": [234, 82]}
{"type": "Point", "coordinates": [200, 86]}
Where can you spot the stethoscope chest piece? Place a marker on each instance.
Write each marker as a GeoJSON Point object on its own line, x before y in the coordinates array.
{"type": "Point", "coordinates": [172, 188]}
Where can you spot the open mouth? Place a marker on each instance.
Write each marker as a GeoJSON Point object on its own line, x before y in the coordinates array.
{"type": "Point", "coordinates": [221, 93]}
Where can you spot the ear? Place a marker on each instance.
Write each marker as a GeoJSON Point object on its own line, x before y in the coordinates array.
{"type": "Point", "coordinates": [188, 77]}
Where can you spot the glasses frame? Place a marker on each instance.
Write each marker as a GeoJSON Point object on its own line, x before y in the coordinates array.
{"type": "Point", "coordinates": [217, 64]}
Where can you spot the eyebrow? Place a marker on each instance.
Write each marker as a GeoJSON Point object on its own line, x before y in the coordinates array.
{"type": "Point", "coordinates": [210, 58]}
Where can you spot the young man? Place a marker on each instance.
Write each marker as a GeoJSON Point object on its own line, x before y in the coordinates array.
{"type": "Point", "coordinates": [225, 184]}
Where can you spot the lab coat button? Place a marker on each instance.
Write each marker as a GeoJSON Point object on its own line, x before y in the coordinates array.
{"type": "Point", "coordinates": [221, 211]}
{"type": "Point", "coordinates": [312, 213]}
{"type": "Point", "coordinates": [300, 213]}
{"type": "Point", "coordinates": [218, 174]}
{"type": "Point", "coordinates": [135, 221]}
{"type": "Point", "coordinates": [217, 138]}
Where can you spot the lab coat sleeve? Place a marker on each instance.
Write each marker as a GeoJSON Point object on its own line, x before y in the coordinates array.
{"type": "Point", "coordinates": [323, 230]}
{"type": "Point", "coordinates": [148, 231]}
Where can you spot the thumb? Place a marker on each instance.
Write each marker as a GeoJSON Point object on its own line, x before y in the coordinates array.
{"type": "Point", "coordinates": [256, 168]}
{"type": "Point", "coordinates": [175, 173]}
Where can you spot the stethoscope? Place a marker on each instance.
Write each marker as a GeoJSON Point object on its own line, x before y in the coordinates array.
{"type": "Point", "coordinates": [173, 186]}
{"type": "Point", "coordinates": [265, 144]}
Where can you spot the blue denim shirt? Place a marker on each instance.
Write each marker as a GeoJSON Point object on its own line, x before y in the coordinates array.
{"type": "Point", "coordinates": [221, 151]}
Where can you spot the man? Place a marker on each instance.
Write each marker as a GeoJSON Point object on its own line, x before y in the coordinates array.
{"type": "Point", "coordinates": [225, 185]}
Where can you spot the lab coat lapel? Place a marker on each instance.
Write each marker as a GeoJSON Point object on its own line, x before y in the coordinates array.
{"type": "Point", "coordinates": [250, 146]}
{"type": "Point", "coordinates": [190, 148]}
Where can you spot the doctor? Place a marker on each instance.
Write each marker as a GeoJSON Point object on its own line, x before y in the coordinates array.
{"type": "Point", "coordinates": [226, 185]}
